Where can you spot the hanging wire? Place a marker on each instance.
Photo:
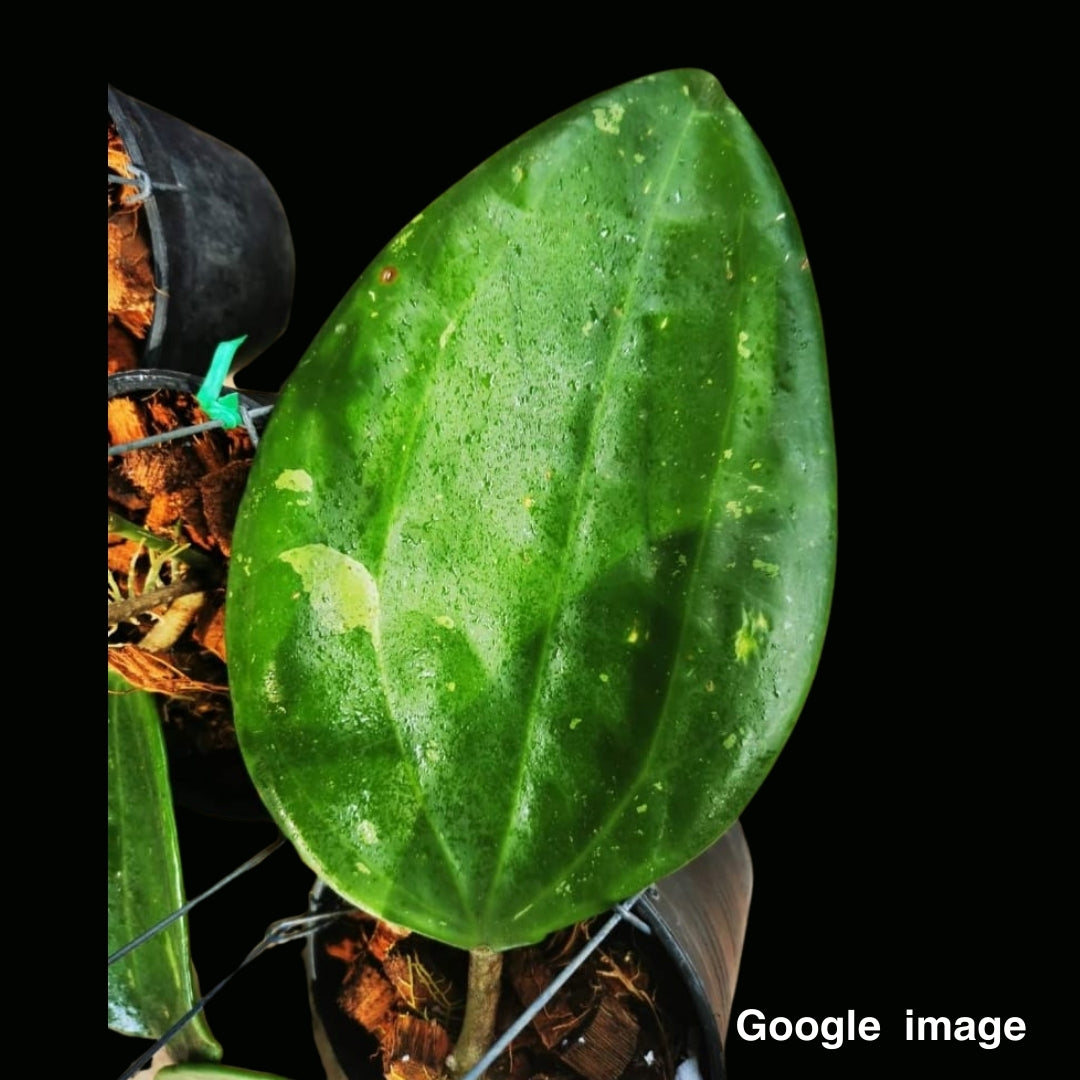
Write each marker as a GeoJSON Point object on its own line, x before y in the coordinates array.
{"type": "Point", "coordinates": [182, 911]}
{"type": "Point", "coordinates": [143, 185]}
{"type": "Point", "coordinates": [278, 933]}
{"type": "Point", "coordinates": [248, 416]}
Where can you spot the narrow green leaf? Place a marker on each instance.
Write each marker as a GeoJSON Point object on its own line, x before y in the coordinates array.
{"type": "Point", "coordinates": [212, 1072]}
{"type": "Point", "coordinates": [153, 986]}
{"type": "Point", "coordinates": [534, 566]}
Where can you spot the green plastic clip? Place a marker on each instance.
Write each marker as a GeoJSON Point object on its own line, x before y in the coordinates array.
{"type": "Point", "coordinates": [227, 408]}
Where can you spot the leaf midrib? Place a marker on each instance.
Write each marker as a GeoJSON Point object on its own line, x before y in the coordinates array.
{"type": "Point", "coordinates": [407, 457]}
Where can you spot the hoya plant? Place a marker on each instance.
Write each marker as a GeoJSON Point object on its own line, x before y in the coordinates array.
{"type": "Point", "coordinates": [534, 565]}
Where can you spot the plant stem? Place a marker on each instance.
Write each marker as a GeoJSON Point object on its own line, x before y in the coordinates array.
{"type": "Point", "coordinates": [481, 1005]}
{"type": "Point", "coordinates": [134, 605]}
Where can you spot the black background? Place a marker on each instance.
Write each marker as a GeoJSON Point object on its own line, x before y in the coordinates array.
{"type": "Point", "coordinates": [897, 841]}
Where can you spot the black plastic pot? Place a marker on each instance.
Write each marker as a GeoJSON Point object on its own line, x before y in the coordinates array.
{"type": "Point", "coordinates": [698, 920]}
{"type": "Point", "coordinates": [221, 246]}
{"type": "Point", "coordinates": [699, 914]}
{"type": "Point", "coordinates": [147, 380]}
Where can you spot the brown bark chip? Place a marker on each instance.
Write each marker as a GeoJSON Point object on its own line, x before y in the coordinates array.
{"type": "Point", "coordinates": [530, 975]}
{"type": "Point", "coordinates": [126, 422]}
{"type": "Point", "coordinates": [209, 630]}
{"type": "Point", "coordinates": [122, 353]}
{"type": "Point", "coordinates": [415, 1042]}
{"type": "Point", "coordinates": [221, 492]}
{"type": "Point", "coordinates": [131, 281]}
{"type": "Point", "coordinates": [384, 938]}
{"type": "Point", "coordinates": [369, 999]}
{"type": "Point", "coordinates": [603, 1048]}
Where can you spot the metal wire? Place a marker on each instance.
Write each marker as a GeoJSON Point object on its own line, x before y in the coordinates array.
{"type": "Point", "coordinates": [184, 909]}
{"type": "Point", "coordinates": [278, 933]}
{"type": "Point", "coordinates": [249, 416]}
{"type": "Point", "coordinates": [143, 185]}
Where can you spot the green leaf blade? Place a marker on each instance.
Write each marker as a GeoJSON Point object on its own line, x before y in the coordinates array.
{"type": "Point", "coordinates": [152, 986]}
{"type": "Point", "coordinates": [535, 563]}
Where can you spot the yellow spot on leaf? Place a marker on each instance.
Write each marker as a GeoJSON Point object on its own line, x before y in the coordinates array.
{"type": "Point", "coordinates": [444, 621]}
{"type": "Point", "coordinates": [294, 480]}
{"type": "Point", "coordinates": [741, 348]}
{"type": "Point", "coordinates": [748, 636]}
{"type": "Point", "coordinates": [342, 592]}
{"type": "Point", "coordinates": [608, 120]}
{"type": "Point", "coordinates": [401, 240]}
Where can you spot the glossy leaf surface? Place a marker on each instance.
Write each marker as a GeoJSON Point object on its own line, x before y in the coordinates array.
{"type": "Point", "coordinates": [151, 987]}
{"type": "Point", "coordinates": [534, 566]}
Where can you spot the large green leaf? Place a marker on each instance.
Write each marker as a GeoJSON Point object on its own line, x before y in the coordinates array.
{"type": "Point", "coordinates": [151, 987]}
{"type": "Point", "coordinates": [534, 566]}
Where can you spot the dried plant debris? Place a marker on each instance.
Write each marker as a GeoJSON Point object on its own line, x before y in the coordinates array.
{"type": "Point", "coordinates": [131, 277]}
{"type": "Point", "coordinates": [604, 1024]}
{"type": "Point", "coordinates": [171, 514]}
